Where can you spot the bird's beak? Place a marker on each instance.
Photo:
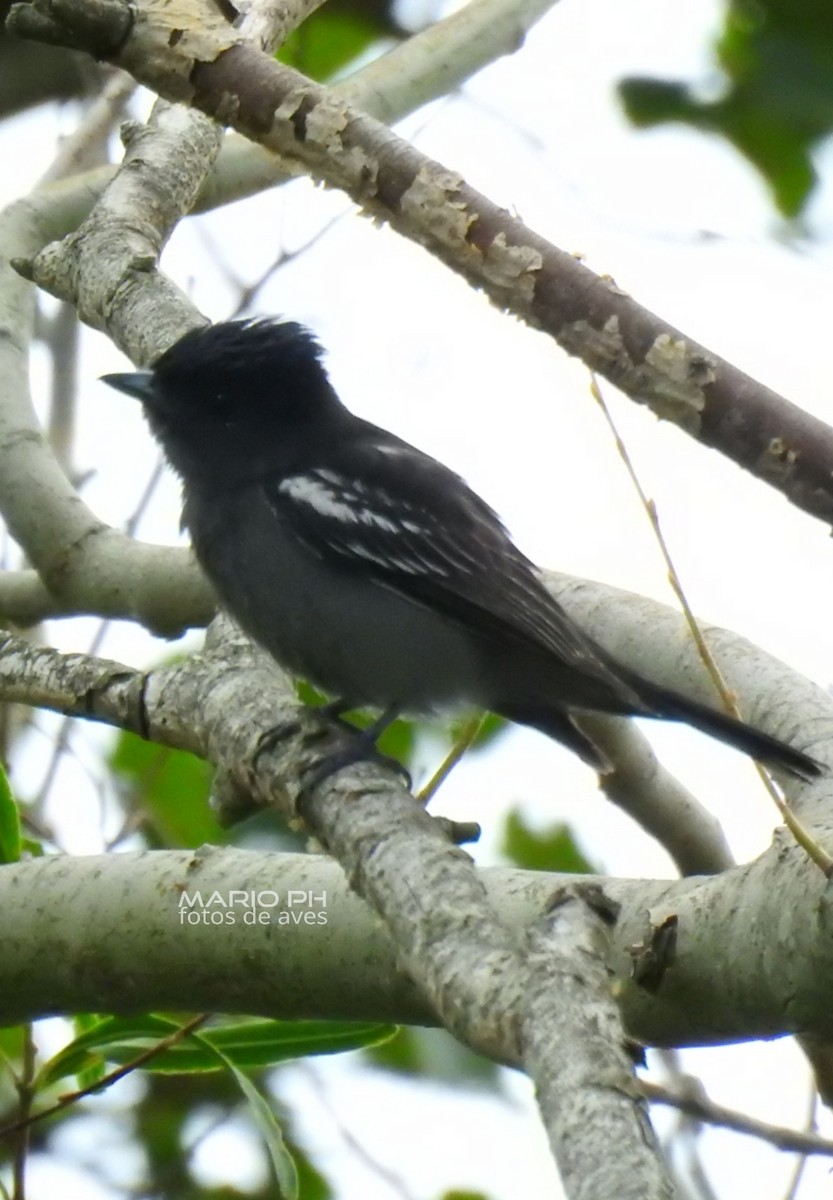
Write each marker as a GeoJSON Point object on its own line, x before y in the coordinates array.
{"type": "Point", "coordinates": [133, 383]}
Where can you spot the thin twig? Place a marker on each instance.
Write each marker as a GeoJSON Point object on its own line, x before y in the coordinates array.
{"type": "Point", "coordinates": [805, 839]}
{"type": "Point", "coordinates": [387, 1176]}
{"type": "Point", "coordinates": [26, 1094]}
{"type": "Point", "coordinates": [696, 1103]}
{"type": "Point", "coordinates": [801, 1163]}
{"type": "Point", "coordinates": [248, 292]}
{"type": "Point", "coordinates": [462, 742]}
{"type": "Point", "coordinates": [112, 1077]}
{"type": "Point", "coordinates": [82, 149]}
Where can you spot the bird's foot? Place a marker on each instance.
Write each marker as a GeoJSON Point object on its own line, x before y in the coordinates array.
{"type": "Point", "coordinates": [359, 745]}
{"type": "Point", "coordinates": [358, 749]}
{"type": "Point", "coordinates": [353, 745]}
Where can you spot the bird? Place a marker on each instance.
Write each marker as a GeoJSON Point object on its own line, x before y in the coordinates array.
{"type": "Point", "coordinates": [367, 567]}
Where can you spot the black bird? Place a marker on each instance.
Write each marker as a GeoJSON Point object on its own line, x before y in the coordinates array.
{"type": "Point", "coordinates": [365, 566]}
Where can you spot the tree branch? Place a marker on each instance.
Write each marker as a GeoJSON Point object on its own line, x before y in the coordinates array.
{"type": "Point", "coordinates": [589, 317]}
{"type": "Point", "coordinates": [490, 980]}
{"type": "Point", "coordinates": [111, 933]}
{"type": "Point", "coordinates": [87, 567]}
{"type": "Point", "coordinates": [479, 975]}
{"type": "Point", "coordinates": [695, 1103]}
{"type": "Point", "coordinates": [587, 1080]}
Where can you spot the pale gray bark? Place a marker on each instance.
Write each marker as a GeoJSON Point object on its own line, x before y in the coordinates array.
{"type": "Point", "coordinates": [753, 955]}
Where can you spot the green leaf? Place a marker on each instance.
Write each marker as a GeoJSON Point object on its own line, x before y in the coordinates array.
{"type": "Point", "coordinates": [12, 1038]}
{"type": "Point", "coordinates": [312, 1185]}
{"type": "Point", "coordinates": [270, 1130]}
{"type": "Point", "coordinates": [551, 849]}
{"type": "Point", "coordinates": [111, 1039]}
{"type": "Point", "coordinates": [247, 1044]}
{"type": "Point", "coordinates": [776, 57]}
{"type": "Point", "coordinates": [94, 1072]}
{"type": "Point", "coordinates": [11, 844]}
{"type": "Point", "coordinates": [336, 34]}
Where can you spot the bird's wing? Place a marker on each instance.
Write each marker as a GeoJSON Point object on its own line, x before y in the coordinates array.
{"type": "Point", "coordinates": [400, 517]}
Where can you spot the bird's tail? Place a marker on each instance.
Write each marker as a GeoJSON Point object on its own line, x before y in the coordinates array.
{"type": "Point", "coordinates": [669, 705]}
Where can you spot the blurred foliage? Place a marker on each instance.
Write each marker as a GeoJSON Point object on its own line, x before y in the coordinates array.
{"type": "Point", "coordinates": [550, 849]}
{"type": "Point", "coordinates": [336, 34]}
{"type": "Point", "coordinates": [165, 1126]}
{"type": "Point", "coordinates": [458, 1195]}
{"type": "Point", "coordinates": [11, 843]}
{"type": "Point", "coordinates": [168, 792]}
{"type": "Point", "coordinates": [435, 1055]}
{"type": "Point", "coordinates": [776, 106]}
{"type": "Point", "coordinates": [11, 1042]}
{"type": "Point", "coordinates": [214, 1057]}
{"type": "Point", "coordinates": [312, 1185]}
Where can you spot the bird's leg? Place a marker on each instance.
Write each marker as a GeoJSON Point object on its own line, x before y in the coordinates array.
{"type": "Point", "coordinates": [335, 709]}
{"type": "Point", "coordinates": [385, 718]}
{"type": "Point", "coordinates": [362, 745]}
{"type": "Point", "coordinates": [331, 712]}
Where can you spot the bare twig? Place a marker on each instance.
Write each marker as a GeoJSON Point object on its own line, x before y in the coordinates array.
{"type": "Point", "coordinates": [810, 844]}
{"type": "Point", "coordinates": [25, 1121]}
{"type": "Point", "coordinates": [696, 1103]}
{"type": "Point", "coordinates": [78, 151]}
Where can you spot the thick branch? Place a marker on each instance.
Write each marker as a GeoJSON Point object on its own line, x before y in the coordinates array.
{"type": "Point", "coordinates": [109, 936]}
{"type": "Point", "coordinates": [588, 1078]}
{"type": "Point", "coordinates": [590, 317]}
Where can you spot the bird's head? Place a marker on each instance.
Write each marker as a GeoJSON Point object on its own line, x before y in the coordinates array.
{"type": "Point", "coordinates": [225, 398]}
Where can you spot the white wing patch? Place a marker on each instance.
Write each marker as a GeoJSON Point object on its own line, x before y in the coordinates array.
{"type": "Point", "coordinates": [408, 565]}
{"type": "Point", "coordinates": [347, 501]}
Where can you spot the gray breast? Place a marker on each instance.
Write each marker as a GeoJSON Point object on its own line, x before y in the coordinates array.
{"type": "Point", "coordinates": [351, 636]}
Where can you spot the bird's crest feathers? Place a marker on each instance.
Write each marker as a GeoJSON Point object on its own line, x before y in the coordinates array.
{"type": "Point", "coordinates": [229, 346]}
